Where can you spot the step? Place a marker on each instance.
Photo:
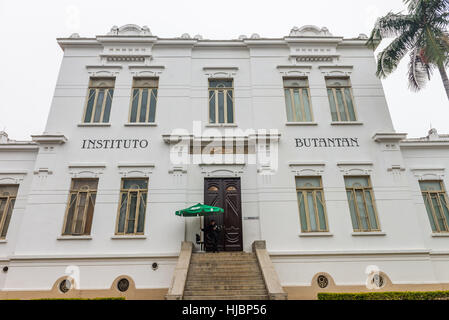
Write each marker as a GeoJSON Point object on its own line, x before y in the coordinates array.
{"type": "Point", "coordinates": [224, 287]}
{"type": "Point", "coordinates": [224, 276]}
{"type": "Point", "coordinates": [230, 281]}
{"type": "Point", "coordinates": [223, 259]}
{"type": "Point", "coordinates": [224, 268]}
{"type": "Point", "coordinates": [229, 261]}
{"type": "Point", "coordinates": [253, 297]}
{"type": "Point", "coordinates": [188, 293]}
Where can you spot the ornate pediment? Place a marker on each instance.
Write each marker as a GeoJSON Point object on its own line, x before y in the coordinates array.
{"type": "Point", "coordinates": [310, 31]}
{"type": "Point", "coordinates": [130, 30]}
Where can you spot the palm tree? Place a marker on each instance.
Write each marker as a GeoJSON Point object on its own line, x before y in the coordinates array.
{"type": "Point", "coordinates": [423, 33]}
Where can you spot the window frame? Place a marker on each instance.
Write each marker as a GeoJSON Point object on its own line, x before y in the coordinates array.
{"type": "Point", "coordinates": [443, 192]}
{"type": "Point", "coordinates": [373, 201]}
{"type": "Point", "coordinates": [78, 192]}
{"type": "Point", "coordinates": [314, 190]}
{"type": "Point", "coordinates": [92, 86]}
{"type": "Point", "coordinates": [136, 218]}
{"type": "Point", "coordinates": [225, 93]}
{"type": "Point", "coordinates": [139, 105]}
{"type": "Point", "coordinates": [301, 98]}
{"type": "Point", "coordinates": [9, 198]}
{"type": "Point", "coordinates": [334, 94]}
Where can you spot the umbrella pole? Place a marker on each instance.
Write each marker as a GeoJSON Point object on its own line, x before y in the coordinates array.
{"type": "Point", "coordinates": [201, 227]}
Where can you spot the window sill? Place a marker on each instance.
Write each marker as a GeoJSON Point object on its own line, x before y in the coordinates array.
{"type": "Point", "coordinates": [301, 124]}
{"type": "Point", "coordinates": [130, 237]}
{"type": "Point", "coordinates": [316, 234]}
{"type": "Point", "coordinates": [368, 234]}
{"type": "Point", "coordinates": [141, 124]}
{"type": "Point", "coordinates": [74, 238]}
{"type": "Point", "coordinates": [440, 235]}
{"type": "Point", "coordinates": [3, 241]}
{"type": "Point", "coordinates": [219, 125]}
{"type": "Point", "coordinates": [94, 124]}
{"type": "Point", "coordinates": [346, 123]}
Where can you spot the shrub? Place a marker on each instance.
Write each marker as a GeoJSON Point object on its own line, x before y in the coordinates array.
{"type": "Point", "coordinates": [397, 295]}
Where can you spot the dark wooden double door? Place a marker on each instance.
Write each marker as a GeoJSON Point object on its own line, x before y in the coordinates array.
{"type": "Point", "coordinates": [225, 193]}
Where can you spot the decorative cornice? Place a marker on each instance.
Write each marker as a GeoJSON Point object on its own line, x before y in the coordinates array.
{"type": "Point", "coordinates": [135, 169]}
{"type": "Point", "coordinates": [146, 70]}
{"type": "Point", "coordinates": [49, 139]}
{"type": "Point", "coordinates": [103, 70]}
{"type": "Point", "coordinates": [87, 165]}
{"type": "Point", "coordinates": [389, 137]}
{"type": "Point", "coordinates": [220, 71]}
{"type": "Point", "coordinates": [310, 31]}
{"type": "Point", "coordinates": [307, 168]}
{"type": "Point", "coordinates": [294, 70]}
{"type": "Point", "coordinates": [336, 70]}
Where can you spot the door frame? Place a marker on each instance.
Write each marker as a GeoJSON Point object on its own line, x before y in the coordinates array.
{"type": "Point", "coordinates": [222, 241]}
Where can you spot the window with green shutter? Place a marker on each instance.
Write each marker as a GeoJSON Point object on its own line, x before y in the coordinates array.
{"type": "Point", "coordinates": [8, 194]}
{"type": "Point", "coordinates": [143, 100]}
{"type": "Point", "coordinates": [99, 100]}
{"type": "Point", "coordinates": [361, 204]}
{"type": "Point", "coordinates": [297, 100]}
{"type": "Point", "coordinates": [437, 204]}
{"type": "Point", "coordinates": [312, 208]}
{"type": "Point", "coordinates": [132, 207]}
{"type": "Point", "coordinates": [341, 101]}
{"type": "Point", "coordinates": [221, 101]}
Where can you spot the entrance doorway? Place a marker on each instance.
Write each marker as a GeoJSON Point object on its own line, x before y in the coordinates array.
{"type": "Point", "coordinates": [225, 193]}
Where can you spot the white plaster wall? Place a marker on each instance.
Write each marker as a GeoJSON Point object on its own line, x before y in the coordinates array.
{"type": "Point", "coordinates": [259, 103]}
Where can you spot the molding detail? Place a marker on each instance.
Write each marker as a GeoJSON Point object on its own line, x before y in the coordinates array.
{"type": "Point", "coordinates": [389, 137]}
{"type": "Point", "coordinates": [336, 71]}
{"type": "Point", "coordinates": [49, 139]}
{"type": "Point", "coordinates": [222, 170]}
{"type": "Point", "coordinates": [429, 173]}
{"type": "Point", "coordinates": [135, 169]}
{"type": "Point", "coordinates": [307, 168]}
{"type": "Point", "coordinates": [220, 72]}
{"type": "Point", "coordinates": [130, 30]}
{"type": "Point", "coordinates": [310, 31]}
{"type": "Point", "coordinates": [103, 70]}
{"type": "Point", "coordinates": [178, 170]}
{"type": "Point", "coordinates": [355, 168]}
{"type": "Point", "coordinates": [294, 70]}
{"type": "Point", "coordinates": [146, 71]}
{"type": "Point", "coordinates": [12, 177]}
{"type": "Point", "coordinates": [86, 170]}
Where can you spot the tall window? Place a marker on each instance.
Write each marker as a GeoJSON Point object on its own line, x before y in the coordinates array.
{"type": "Point", "coordinates": [361, 204]}
{"type": "Point", "coordinates": [297, 100]}
{"type": "Point", "coordinates": [340, 98]}
{"type": "Point", "coordinates": [437, 204]}
{"type": "Point", "coordinates": [8, 194]}
{"type": "Point", "coordinates": [99, 100]}
{"type": "Point", "coordinates": [221, 101]}
{"type": "Point", "coordinates": [133, 203]}
{"type": "Point", "coordinates": [312, 208]}
{"type": "Point", "coordinates": [143, 102]}
{"type": "Point", "coordinates": [80, 207]}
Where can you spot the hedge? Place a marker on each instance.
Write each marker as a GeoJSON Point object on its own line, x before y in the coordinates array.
{"type": "Point", "coordinates": [405, 295]}
{"type": "Point", "coordinates": [111, 298]}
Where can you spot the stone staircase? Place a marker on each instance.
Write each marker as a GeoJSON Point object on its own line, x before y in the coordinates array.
{"type": "Point", "coordinates": [224, 276]}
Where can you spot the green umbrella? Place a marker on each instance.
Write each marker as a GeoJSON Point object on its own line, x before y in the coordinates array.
{"type": "Point", "coordinates": [199, 210]}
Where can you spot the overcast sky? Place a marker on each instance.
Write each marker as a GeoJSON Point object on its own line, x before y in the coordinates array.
{"type": "Point", "coordinates": [30, 57]}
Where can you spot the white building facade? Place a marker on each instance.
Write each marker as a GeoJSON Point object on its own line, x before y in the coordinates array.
{"type": "Point", "coordinates": [292, 136]}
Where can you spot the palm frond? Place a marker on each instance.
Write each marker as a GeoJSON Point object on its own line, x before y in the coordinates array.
{"type": "Point", "coordinates": [419, 72]}
{"type": "Point", "coordinates": [435, 45]}
{"type": "Point", "coordinates": [391, 25]}
{"type": "Point", "coordinates": [428, 7]}
{"type": "Point", "coordinates": [390, 57]}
